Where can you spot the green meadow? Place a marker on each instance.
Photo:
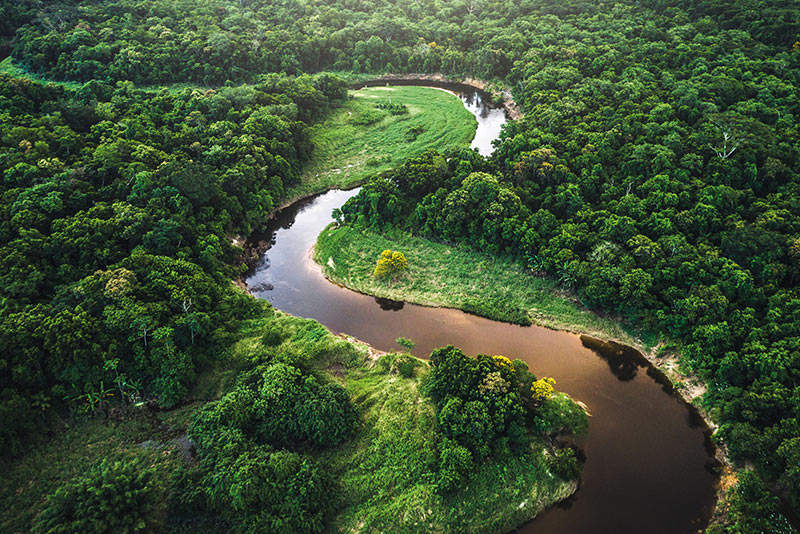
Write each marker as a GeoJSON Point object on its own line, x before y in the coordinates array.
{"type": "Point", "coordinates": [453, 277]}
{"type": "Point", "coordinates": [360, 139]}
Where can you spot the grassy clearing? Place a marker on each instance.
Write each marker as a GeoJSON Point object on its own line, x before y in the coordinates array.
{"type": "Point", "coordinates": [358, 139]}
{"type": "Point", "coordinates": [441, 275]}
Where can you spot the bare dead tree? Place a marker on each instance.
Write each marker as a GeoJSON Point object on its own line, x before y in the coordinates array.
{"type": "Point", "coordinates": [730, 141]}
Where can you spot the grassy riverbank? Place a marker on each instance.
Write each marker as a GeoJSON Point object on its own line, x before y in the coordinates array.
{"type": "Point", "coordinates": [385, 474]}
{"type": "Point", "coordinates": [359, 139]}
{"type": "Point", "coordinates": [385, 471]}
{"type": "Point", "coordinates": [441, 275]}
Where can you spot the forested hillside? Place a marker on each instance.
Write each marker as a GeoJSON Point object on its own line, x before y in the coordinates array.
{"type": "Point", "coordinates": [655, 175]}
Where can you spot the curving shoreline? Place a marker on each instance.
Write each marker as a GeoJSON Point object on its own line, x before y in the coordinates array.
{"type": "Point", "coordinates": [290, 273]}
{"type": "Point", "coordinates": [438, 79]}
{"type": "Point", "coordinates": [668, 374]}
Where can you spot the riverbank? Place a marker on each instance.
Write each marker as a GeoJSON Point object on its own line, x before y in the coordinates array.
{"type": "Point", "coordinates": [439, 275]}
{"type": "Point", "coordinates": [498, 93]}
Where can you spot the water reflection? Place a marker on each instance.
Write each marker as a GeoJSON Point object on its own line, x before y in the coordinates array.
{"type": "Point", "coordinates": [389, 304]}
{"type": "Point", "coordinates": [624, 362]}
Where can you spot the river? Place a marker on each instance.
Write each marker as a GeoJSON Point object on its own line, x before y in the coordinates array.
{"type": "Point", "coordinates": [648, 459]}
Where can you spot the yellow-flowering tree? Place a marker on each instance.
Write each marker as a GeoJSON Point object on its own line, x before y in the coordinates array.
{"type": "Point", "coordinates": [543, 389]}
{"type": "Point", "coordinates": [390, 264]}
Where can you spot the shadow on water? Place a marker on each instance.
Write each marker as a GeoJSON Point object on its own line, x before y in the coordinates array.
{"type": "Point", "coordinates": [623, 361]}
{"type": "Point", "coordinates": [389, 304]}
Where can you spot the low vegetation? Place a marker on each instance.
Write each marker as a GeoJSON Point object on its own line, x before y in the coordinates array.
{"type": "Point", "coordinates": [368, 134]}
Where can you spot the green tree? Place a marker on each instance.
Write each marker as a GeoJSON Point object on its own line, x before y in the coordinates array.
{"type": "Point", "coordinates": [117, 495]}
{"type": "Point", "coordinates": [390, 264]}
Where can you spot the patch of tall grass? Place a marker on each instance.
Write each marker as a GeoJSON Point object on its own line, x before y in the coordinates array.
{"type": "Point", "coordinates": [449, 276]}
{"type": "Point", "coordinates": [360, 139]}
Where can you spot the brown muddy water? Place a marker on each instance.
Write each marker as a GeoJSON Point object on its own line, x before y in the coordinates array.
{"type": "Point", "coordinates": [649, 463]}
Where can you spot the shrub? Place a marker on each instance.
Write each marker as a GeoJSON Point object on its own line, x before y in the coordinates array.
{"type": "Point", "coordinates": [116, 496]}
{"type": "Point", "coordinates": [562, 415]}
{"type": "Point", "coordinates": [390, 264]}
{"type": "Point", "coordinates": [266, 491]}
{"type": "Point", "coordinates": [565, 465]}
{"type": "Point", "coordinates": [405, 343]}
{"type": "Point", "coordinates": [455, 464]}
{"type": "Point", "coordinates": [280, 406]}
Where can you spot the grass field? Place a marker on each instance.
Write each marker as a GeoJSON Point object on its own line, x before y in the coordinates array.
{"type": "Point", "coordinates": [359, 140]}
{"type": "Point", "coordinates": [441, 275]}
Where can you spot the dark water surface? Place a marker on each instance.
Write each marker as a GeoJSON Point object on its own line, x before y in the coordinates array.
{"type": "Point", "coordinates": [648, 460]}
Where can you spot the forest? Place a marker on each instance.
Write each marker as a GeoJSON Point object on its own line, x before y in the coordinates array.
{"type": "Point", "coordinates": [654, 176]}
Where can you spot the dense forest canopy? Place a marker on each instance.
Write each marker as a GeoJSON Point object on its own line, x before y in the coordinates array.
{"type": "Point", "coordinates": [655, 174]}
{"type": "Point", "coordinates": [213, 41]}
{"type": "Point", "coordinates": [118, 207]}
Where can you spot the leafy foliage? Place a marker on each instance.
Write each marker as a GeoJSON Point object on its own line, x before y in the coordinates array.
{"type": "Point", "coordinates": [390, 264]}
{"type": "Point", "coordinates": [252, 445]}
{"type": "Point", "coordinates": [117, 207]}
{"type": "Point", "coordinates": [654, 175]}
{"type": "Point", "coordinates": [481, 411]}
{"type": "Point", "coordinates": [117, 495]}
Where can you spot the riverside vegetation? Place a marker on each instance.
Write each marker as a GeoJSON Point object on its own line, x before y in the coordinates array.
{"type": "Point", "coordinates": [311, 432]}
{"type": "Point", "coordinates": [655, 176]}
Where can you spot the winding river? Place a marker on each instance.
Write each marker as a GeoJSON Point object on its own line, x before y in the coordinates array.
{"type": "Point", "coordinates": [648, 459]}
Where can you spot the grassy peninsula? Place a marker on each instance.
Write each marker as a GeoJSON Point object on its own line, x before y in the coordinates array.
{"type": "Point", "coordinates": [454, 277]}
{"type": "Point", "coordinates": [378, 128]}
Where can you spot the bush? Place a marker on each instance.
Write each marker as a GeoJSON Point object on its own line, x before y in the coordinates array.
{"type": "Point", "coordinates": [455, 464]}
{"type": "Point", "coordinates": [565, 465]}
{"type": "Point", "coordinates": [560, 414]}
{"type": "Point", "coordinates": [273, 336]}
{"type": "Point", "coordinates": [405, 343]}
{"type": "Point", "coordinates": [266, 491]}
{"type": "Point", "coordinates": [280, 406]}
{"type": "Point", "coordinates": [390, 264]}
{"type": "Point", "coordinates": [116, 496]}
{"type": "Point", "coordinates": [406, 369]}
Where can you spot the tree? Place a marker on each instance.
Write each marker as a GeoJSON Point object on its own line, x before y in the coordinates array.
{"type": "Point", "coordinates": [115, 496]}
{"type": "Point", "coordinates": [390, 264]}
{"type": "Point", "coordinates": [542, 389]}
